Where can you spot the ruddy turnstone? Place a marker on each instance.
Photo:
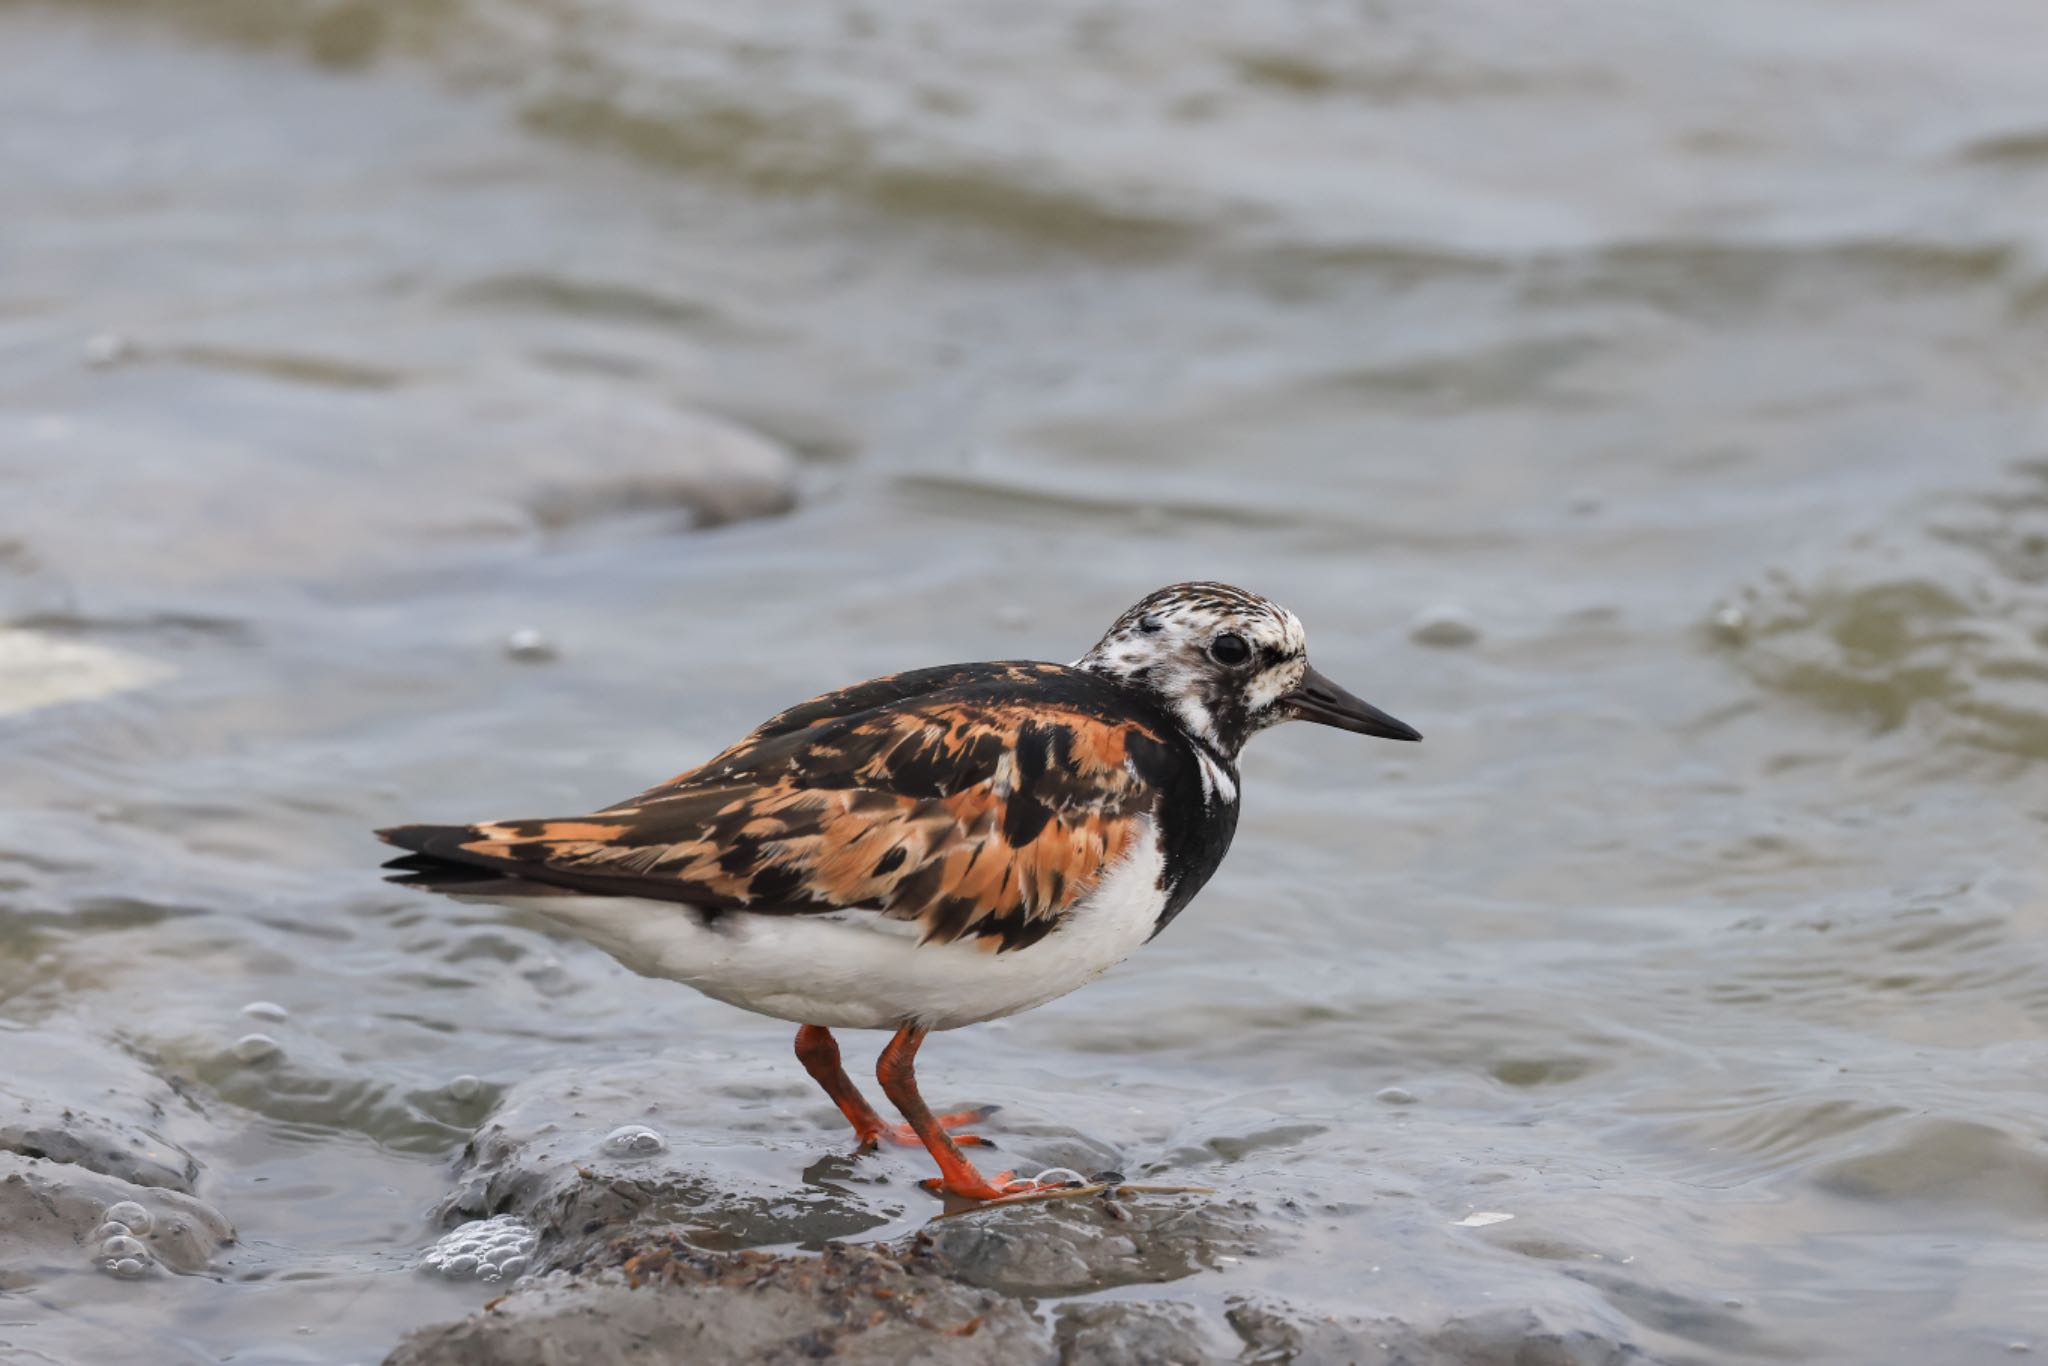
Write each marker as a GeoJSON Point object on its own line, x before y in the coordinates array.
{"type": "Point", "coordinates": [929, 849]}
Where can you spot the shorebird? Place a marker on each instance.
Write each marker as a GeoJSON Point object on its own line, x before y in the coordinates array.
{"type": "Point", "coordinates": [930, 849]}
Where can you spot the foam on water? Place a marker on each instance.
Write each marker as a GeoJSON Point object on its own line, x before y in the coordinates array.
{"type": "Point", "coordinates": [634, 1140]}
{"type": "Point", "coordinates": [120, 1254]}
{"type": "Point", "coordinates": [41, 670]}
{"type": "Point", "coordinates": [496, 1249]}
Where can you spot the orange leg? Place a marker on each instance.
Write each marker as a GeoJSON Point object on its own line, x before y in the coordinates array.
{"type": "Point", "coordinates": [819, 1053]}
{"type": "Point", "coordinates": [957, 1176]}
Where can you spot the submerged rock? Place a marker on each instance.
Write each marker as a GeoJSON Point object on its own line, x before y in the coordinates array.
{"type": "Point", "coordinates": [43, 1095]}
{"type": "Point", "coordinates": [103, 1187]}
{"type": "Point", "coordinates": [646, 1230]}
{"type": "Point", "coordinates": [1276, 1332]}
{"type": "Point", "coordinates": [584, 1156]}
{"type": "Point", "coordinates": [1115, 1334]}
{"type": "Point", "coordinates": [850, 1304]}
{"type": "Point", "coordinates": [1072, 1247]}
{"type": "Point", "coordinates": [57, 1216]}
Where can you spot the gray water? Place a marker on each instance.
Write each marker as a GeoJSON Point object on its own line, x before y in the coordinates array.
{"type": "Point", "coordinates": [1693, 354]}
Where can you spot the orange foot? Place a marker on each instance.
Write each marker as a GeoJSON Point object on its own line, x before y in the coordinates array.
{"type": "Point", "coordinates": [903, 1136]}
{"type": "Point", "coordinates": [972, 1185]}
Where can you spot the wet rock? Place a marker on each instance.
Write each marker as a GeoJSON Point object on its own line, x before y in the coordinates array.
{"type": "Point", "coordinates": [1115, 1334]}
{"type": "Point", "coordinates": [54, 1217]}
{"type": "Point", "coordinates": [507, 449]}
{"type": "Point", "coordinates": [714, 473]}
{"type": "Point", "coordinates": [648, 1232]}
{"type": "Point", "coordinates": [554, 1156]}
{"type": "Point", "coordinates": [1072, 1247]}
{"type": "Point", "coordinates": [851, 1304]}
{"type": "Point", "coordinates": [50, 1082]}
{"type": "Point", "coordinates": [1445, 626]}
{"type": "Point", "coordinates": [1275, 1332]}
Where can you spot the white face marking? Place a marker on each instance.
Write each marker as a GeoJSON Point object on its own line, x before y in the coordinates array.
{"type": "Point", "coordinates": [1167, 645]}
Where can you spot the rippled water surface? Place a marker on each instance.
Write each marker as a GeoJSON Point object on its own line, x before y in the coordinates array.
{"type": "Point", "coordinates": [1694, 356]}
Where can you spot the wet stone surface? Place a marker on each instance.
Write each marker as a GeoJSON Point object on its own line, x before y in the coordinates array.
{"type": "Point", "coordinates": [614, 1224]}
{"type": "Point", "coordinates": [57, 1217]}
{"type": "Point", "coordinates": [1072, 1247]}
{"type": "Point", "coordinates": [67, 1101]}
{"type": "Point", "coordinates": [559, 1156]}
{"type": "Point", "coordinates": [906, 1301]}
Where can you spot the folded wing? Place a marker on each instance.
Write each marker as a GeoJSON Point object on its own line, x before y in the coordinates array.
{"type": "Point", "coordinates": [966, 810]}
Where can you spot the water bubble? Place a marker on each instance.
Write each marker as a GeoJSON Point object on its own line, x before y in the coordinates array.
{"type": "Point", "coordinates": [121, 1245]}
{"type": "Point", "coordinates": [495, 1249]}
{"type": "Point", "coordinates": [266, 1010]}
{"type": "Point", "coordinates": [257, 1047]}
{"type": "Point", "coordinates": [109, 1230]}
{"type": "Point", "coordinates": [634, 1140]}
{"type": "Point", "coordinates": [128, 1268]}
{"type": "Point", "coordinates": [129, 1213]}
{"type": "Point", "coordinates": [465, 1087]}
{"type": "Point", "coordinates": [1445, 626]}
{"type": "Point", "coordinates": [1394, 1095]}
{"type": "Point", "coordinates": [529, 646]}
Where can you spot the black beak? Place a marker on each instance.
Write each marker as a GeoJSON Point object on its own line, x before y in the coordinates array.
{"type": "Point", "coordinates": [1317, 699]}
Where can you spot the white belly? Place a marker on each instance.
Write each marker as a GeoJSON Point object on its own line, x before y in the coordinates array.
{"type": "Point", "coordinates": [858, 970]}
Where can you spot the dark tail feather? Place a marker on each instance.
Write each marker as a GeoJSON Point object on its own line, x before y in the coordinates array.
{"type": "Point", "coordinates": [439, 873]}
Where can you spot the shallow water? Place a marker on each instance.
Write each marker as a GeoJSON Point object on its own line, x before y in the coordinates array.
{"type": "Point", "coordinates": [1696, 359]}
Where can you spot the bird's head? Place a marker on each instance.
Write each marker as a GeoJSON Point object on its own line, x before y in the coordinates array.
{"type": "Point", "coordinates": [1227, 664]}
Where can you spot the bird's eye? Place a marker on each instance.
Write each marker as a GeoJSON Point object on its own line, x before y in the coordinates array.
{"type": "Point", "coordinates": [1229, 649]}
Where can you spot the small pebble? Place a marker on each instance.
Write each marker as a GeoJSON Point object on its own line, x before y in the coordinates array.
{"type": "Point", "coordinates": [1444, 626]}
{"type": "Point", "coordinates": [465, 1087]}
{"type": "Point", "coordinates": [106, 349]}
{"type": "Point", "coordinates": [634, 1140]}
{"type": "Point", "coordinates": [266, 1010]}
{"type": "Point", "coordinates": [529, 646]}
{"type": "Point", "coordinates": [256, 1048]}
{"type": "Point", "coordinates": [1731, 624]}
{"type": "Point", "coordinates": [126, 1212]}
{"type": "Point", "coordinates": [1394, 1095]}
